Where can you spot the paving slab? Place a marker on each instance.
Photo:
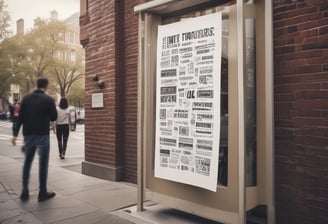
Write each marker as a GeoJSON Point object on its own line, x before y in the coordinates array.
{"type": "Point", "coordinates": [8, 208]}
{"type": "Point", "coordinates": [80, 199]}
{"type": "Point", "coordinates": [11, 211]}
{"type": "Point", "coordinates": [109, 198]}
{"type": "Point", "coordinates": [25, 218]}
{"type": "Point", "coordinates": [159, 214]}
{"type": "Point", "coordinates": [97, 217]}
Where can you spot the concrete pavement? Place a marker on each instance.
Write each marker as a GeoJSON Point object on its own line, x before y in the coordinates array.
{"type": "Point", "coordinates": [79, 199]}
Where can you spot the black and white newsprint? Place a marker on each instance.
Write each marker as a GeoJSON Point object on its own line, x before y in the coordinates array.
{"type": "Point", "coordinates": [188, 101]}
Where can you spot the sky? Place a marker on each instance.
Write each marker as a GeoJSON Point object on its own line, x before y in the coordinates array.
{"type": "Point", "coordinates": [31, 9]}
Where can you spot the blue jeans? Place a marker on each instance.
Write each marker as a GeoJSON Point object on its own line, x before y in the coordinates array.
{"type": "Point", "coordinates": [62, 133]}
{"type": "Point", "coordinates": [42, 143]}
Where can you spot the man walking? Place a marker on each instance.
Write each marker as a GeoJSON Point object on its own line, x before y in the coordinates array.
{"type": "Point", "coordinates": [37, 110]}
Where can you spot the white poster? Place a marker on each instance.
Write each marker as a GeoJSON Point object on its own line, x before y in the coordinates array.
{"type": "Point", "coordinates": [188, 101]}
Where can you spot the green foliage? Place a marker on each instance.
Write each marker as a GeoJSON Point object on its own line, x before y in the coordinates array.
{"type": "Point", "coordinates": [40, 52]}
{"type": "Point", "coordinates": [4, 21]}
{"type": "Point", "coordinates": [10, 60]}
{"type": "Point", "coordinates": [5, 63]}
{"type": "Point", "coordinates": [48, 56]}
{"type": "Point", "coordinates": [44, 42]}
{"type": "Point", "coordinates": [75, 95]}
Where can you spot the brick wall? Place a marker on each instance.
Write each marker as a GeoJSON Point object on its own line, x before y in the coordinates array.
{"type": "Point", "coordinates": [131, 91]}
{"type": "Point", "coordinates": [104, 43]}
{"type": "Point", "coordinates": [109, 33]}
{"type": "Point", "coordinates": [301, 110]}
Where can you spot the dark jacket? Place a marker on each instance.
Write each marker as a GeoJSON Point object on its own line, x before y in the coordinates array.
{"type": "Point", "coordinates": [36, 111]}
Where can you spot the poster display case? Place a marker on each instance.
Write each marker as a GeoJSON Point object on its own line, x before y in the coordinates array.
{"type": "Point", "coordinates": [204, 137]}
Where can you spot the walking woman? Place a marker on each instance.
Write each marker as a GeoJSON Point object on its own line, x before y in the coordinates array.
{"type": "Point", "coordinates": [62, 126]}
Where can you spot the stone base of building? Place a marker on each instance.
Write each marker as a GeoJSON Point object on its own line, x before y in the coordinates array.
{"type": "Point", "coordinates": [102, 171]}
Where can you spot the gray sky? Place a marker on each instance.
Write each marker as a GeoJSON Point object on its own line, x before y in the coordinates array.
{"type": "Point", "coordinates": [31, 9]}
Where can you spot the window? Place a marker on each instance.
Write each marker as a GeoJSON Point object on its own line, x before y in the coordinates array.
{"type": "Point", "coordinates": [73, 55]}
{"type": "Point", "coordinates": [223, 151]}
{"type": "Point", "coordinates": [250, 103]}
{"type": "Point", "coordinates": [71, 37]}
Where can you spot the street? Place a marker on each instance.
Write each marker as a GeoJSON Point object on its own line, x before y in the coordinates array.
{"type": "Point", "coordinates": [74, 153]}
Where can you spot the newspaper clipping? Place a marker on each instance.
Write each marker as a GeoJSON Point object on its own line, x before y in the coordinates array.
{"type": "Point", "coordinates": [188, 101]}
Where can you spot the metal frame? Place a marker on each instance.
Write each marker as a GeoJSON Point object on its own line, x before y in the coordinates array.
{"type": "Point", "coordinates": [148, 22]}
{"type": "Point", "coordinates": [241, 106]}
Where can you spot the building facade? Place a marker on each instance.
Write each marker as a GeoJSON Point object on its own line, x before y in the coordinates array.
{"type": "Point", "coordinates": [75, 52]}
{"type": "Point", "coordinates": [110, 34]}
{"type": "Point", "coordinates": [111, 54]}
{"type": "Point", "coordinates": [300, 97]}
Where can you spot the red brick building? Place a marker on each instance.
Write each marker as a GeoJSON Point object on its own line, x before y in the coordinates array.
{"type": "Point", "coordinates": [109, 34]}
{"type": "Point", "coordinates": [301, 110]}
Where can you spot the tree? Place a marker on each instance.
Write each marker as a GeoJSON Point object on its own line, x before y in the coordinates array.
{"type": "Point", "coordinates": [67, 73]}
{"type": "Point", "coordinates": [4, 21]}
{"type": "Point", "coordinates": [16, 52]}
{"type": "Point", "coordinates": [48, 56]}
{"type": "Point", "coordinates": [44, 42]}
{"type": "Point", "coordinates": [76, 94]}
{"type": "Point", "coordinates": [11, 57]}
{"type": "Point", "coordinates": [40, 52]}
{"type": "Point", "coordinates": [5, 73]}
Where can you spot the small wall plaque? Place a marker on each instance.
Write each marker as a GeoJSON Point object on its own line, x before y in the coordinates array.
{"type": "Point", "coordinates": [97, 100]}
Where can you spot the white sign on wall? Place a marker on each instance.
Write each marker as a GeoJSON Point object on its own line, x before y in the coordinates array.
{"type": "Point", "coordinates": [97, 100]}
{"type": "Point", "coordinates": [188, 101]}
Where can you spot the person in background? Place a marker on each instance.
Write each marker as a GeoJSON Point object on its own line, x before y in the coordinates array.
{"type": "Point", "coordinates": [16, 109]}
{"type": "Point", "coordinates": [11, 112]}
{"type": "Point", "coordinates": [37, 110]}
{"type": "Point", "coordinates": [62, 126]}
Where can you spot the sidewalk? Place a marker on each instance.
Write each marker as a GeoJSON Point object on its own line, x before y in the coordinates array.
{"type": "Point", "coordinates": [79, 199]}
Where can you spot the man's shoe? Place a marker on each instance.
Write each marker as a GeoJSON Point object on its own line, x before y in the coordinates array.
{"type": "Point", "coordinates": [24, 195]}
{"type": "Point", "coordinates": [46, 196]}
